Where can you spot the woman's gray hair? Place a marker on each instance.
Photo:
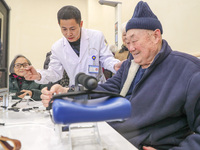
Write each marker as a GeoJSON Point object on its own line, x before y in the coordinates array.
{"type": "Point", "coordinates": [12, 65]}
{"type": "Point", "coordinates": [123, 27]}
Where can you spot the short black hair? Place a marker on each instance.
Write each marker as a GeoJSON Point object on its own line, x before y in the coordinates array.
{"type": "Point", "coordinates": [69, 12]}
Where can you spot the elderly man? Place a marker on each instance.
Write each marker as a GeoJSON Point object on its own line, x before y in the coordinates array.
{"type": "Point", "coordinates": [162, 85]}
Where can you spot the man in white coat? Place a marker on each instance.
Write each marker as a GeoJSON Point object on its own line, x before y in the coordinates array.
{"type": "Point", "coordinates": [80, 50]}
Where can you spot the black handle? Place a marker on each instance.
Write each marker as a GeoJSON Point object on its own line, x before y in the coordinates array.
{"type": "Point", "coordinates": [50, 84]}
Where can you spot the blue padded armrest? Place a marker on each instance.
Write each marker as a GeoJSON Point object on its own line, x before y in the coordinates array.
{"type": "Point", "coordinates": [67, 112]}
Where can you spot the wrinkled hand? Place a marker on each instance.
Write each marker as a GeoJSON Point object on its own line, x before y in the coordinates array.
{"type": "Point", "coordinates": [31, 73]}
{"type": "Point", "coordinates": [148, 148]}
{"type": "Point", "coordinates": [47, 95]}
{"type": "Point", "coordinates": [25, 92]}
{"type": "Point", "coordinates": [118, 65]}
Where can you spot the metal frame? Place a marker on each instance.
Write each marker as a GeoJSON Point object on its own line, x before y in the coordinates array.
{"type": "Point", "coordinates": [4, 91]}
{"type": "Point", "coordinates": [118, 33]}
{"type": "Point", "coordinates": [93, 126]}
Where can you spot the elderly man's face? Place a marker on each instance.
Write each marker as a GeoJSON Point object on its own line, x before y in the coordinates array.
{"type": "Point", "coordinates": [142, 44]}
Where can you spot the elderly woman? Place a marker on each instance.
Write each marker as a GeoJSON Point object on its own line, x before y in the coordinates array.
{"type": "Point", "coordinates": [17, 83]}
{"type": "Point", "coordinates": [123, 53]}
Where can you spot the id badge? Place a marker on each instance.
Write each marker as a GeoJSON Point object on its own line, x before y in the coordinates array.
{"type": "Point", "coordinates": [93, 69]}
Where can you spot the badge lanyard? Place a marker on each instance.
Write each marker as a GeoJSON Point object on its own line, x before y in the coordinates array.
{"type": "Point", "coordinates": [93, 68]}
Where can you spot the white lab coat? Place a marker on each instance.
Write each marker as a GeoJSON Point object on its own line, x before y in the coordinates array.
{"type": "Point", "coordinates": [63, 57]}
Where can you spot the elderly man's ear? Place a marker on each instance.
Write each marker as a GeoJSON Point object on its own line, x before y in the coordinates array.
{"type": "Point", "coordinates": [157, 35]}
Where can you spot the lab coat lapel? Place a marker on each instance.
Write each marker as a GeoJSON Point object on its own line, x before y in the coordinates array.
{"type": "Point", "coordinates": [84, 44]}
{"type": "Point", "coordinates": [70, 52]}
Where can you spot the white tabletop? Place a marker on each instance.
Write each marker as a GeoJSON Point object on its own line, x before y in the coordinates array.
{"type": "Point", "coordinates": [36, 131]}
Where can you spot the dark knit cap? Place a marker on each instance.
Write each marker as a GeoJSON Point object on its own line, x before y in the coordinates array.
{"type": "Point", "coordinates": [144, 18]}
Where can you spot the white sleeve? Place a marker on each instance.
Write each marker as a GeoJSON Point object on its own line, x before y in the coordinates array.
{"type": "Point", "coordinates": [53, 73]}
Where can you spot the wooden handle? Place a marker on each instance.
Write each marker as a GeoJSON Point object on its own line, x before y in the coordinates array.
{"type": "Point", "coordinates": [7, 146]}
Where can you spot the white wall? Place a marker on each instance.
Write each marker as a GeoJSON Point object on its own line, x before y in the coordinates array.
{"type": "Point", "coordinates": [180, 20]}
{"type": "Point", "coordinates": [34, 28]}
{"type": "Point", "coordinates": [102, 17]}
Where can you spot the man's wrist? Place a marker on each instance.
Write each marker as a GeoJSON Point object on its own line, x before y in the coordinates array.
{"type": "Point", "coordinates": [39, 77]}
{"type": "Point", "coordinates": [115, 67]}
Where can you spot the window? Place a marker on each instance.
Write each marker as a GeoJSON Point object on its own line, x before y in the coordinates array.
{"type": "Point", "coordinates": [4, 17]}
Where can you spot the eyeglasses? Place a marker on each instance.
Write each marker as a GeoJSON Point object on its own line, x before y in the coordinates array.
{"type": "Point", "coordinates": [18, 65]}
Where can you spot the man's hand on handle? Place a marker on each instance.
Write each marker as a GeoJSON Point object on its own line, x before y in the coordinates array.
{"type": "Point", "coordinates": [48, 94]}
